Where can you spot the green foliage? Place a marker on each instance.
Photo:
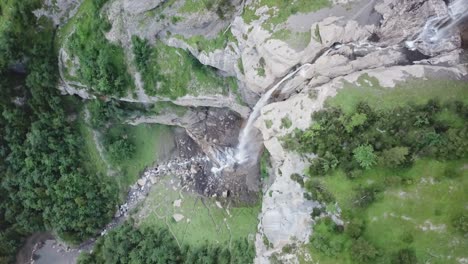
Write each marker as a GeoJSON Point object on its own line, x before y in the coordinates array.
{"type": "Point", "coordinates": [265, 164]}
{"type": "Point", "coordinates": [361, 138]}
{"type": "Point", "coordinates": [328, 238]}
{"type": "Point", "coordinates": [142, 51]}
{"type": "Point", "coordinates": [120, 149]}
{"type": "Point", "coordinates": [172, 72]}
{"type": "Point", "coordinates": [102, 64]}
{"type": "Point", "coordinates": [223, 8]}
{"type": "Point", "coordinates": [298, 178]}
{"type": "Point", "coordinates": [286, 122]}
{"type": "Point", "coordinates": [365, 156]}
{"type": "Point", "coordinates": [101, 113]}
{"type": "Point", "coordinates": [319, 192]}
{"type": "Point", "coordinates": [44, 183]}
{"type": "Point", "coordinates": [394, 157]}
{"type": "Point", "coordinates": [355, 228]}
{"type": "Point", "coordinates": [285, 9]}
{"type": "Point", "coordinates": [405, 256]}
{"type": "Point", "coordinates": [460, 222]}
{"type": "Point", "coordinates": [127, 244]}
{"type": "Point", "coordinates": [362, 251]}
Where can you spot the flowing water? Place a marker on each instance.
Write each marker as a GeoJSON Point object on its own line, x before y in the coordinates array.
{"type": "Point", "coordinates": [248, 145]}
{"type": "Point", "coordinates": [438, 28]}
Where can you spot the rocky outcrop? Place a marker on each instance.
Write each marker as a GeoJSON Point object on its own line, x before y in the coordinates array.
{"type": "Point", "coordinates": [285, 211]}
{"type": "Point", "coordinates": [58, 10]}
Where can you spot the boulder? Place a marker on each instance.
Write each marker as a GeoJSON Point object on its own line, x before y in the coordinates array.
{"type": "Point", "coordinates": [178, 217]}
{"type": "Point", "coordinates": [177, 203]}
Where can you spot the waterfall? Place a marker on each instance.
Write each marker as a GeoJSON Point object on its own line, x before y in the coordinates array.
{"type": "Point", "coordinates": [246, 144]}
{"type": "Point", "coordinates": [438, 28]}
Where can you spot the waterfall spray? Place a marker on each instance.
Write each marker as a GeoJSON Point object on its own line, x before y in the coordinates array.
{"type": "Point", "coordinates": [438, 28]}
{"type": "Point", "coordinates": [246, 145]}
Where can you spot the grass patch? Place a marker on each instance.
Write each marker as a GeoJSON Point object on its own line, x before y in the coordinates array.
{"type": "Point", "coordinates": [369, 90]}
{"type": "Point", "coordinates": [284, 9]}
{"type": "Point", "coordinates": [172, 72]}
{"type": "Point", "coordinates": [221, 7]}
{"type": "Point", "coordinates": [286, 122]}
{"type": "Point", "coordinates": [265, 163]}
{"type": "Point", "coordinates": [203, 219]}
{"type": "Point", "coordinates": [208, 45]}
{"type": "Point", "coordinates": [296, 40]}
{"type": "Point", "coordinates": [102, 64]}
{"type": "Point", "coordinates": [414, 198]}
{"type": "Point", "coordinates": [151, 143]}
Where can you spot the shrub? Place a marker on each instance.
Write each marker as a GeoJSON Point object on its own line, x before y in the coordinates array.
{"type": "Point", "coordinates": [319, 192]}
{"type": "Point", "coordinates": [364, 155]}
{"type": "Point", "coordinates": [362, 251]}
{"type": "Point", "coordinates": [286, 122]}
{"type": "Point", "coordinates": [394, 157]}
{"type": "Point", "coordinates": [460, 222]}
{"type": "Point", "coordinates": [121, 149]}
{"type": "Point", "coordinates": [298, 178]}
{"type": "Point", "coordinates": [405, 256]}
{"type": "Point", "coordinates": [355, 228]}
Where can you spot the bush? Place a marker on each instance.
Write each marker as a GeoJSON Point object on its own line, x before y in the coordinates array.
{"type": "Point", "coordinates": [364, 155]}
{"type": "Point", "coordinates": [298, 178]}
{"type": "Point", "coordinates": [102, 64]}
{"type": "Point", "coordinates": [326, 238]}
{"type": "Point", "coordinates": [405, 256]}
{"type": "Point", "coordinates": [365, 196]}
{"type": "Point", "coordinates": [120, 149]}
{"type": "Point", "coordinates": [460, 222]}
{"type": "Point", "coordinates": [362, 251]}
{"type": "Point", "coordinates": [355, 228]}
{"type": "Point", "coordinates": [319, 192]}
{"type": "Point", "coordinates": [394, 157]}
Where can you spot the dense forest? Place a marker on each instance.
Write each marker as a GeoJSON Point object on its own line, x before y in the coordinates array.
{"type": "Point", "coordinates": [44, 183]}
{"type": "Point", "coordinates": [392, 138]}
{"type": "Point", "coordinates": [128, 244]}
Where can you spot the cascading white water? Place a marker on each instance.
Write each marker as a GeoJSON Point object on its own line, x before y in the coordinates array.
{"type": "Point", "coordinates": [246, 146]}
{"type": "Point", "coordinates": [437, 28]}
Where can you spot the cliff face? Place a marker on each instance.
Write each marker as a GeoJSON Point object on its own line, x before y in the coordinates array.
{"type": "Point", "coordinates": [258, 45]}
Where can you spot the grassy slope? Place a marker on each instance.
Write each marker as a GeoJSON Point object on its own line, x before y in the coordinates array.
{"type": "Point", "coordinates": [176, 73]}
{"type": "Point", "coordinates": [426, 193]}
{"type": "Point", "coordinates": [405, 208]}
{"type": "Point", "coordinates": [413, 91]}
{"type": "Point", "coordinates": [285, 9]}
{"type": "Point", "coordinates": [206, 218]}
{"type": "Point", "coordinates": [209, 45]}
{"type": "Point", "coordinates": [151, 141]}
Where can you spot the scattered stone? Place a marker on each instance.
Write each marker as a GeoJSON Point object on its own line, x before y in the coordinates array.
{"type": "Point", "coordinates": [177, 203]}
{"type": "Point", "coordinates": [178, 217]}
{"type": "Point", "coordinates": [141, 182]}
{"type": "Point", "coordinates": [219, 204]}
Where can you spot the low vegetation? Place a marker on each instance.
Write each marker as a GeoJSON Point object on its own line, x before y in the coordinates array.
{"type": "Point", "coordinates": [129, 244]}
{"type": "Point", "coordinates": [204, 221]}
{"type": "Point", "coordinates": [208, 45]}
{"type": "Point", "coordinates": [295, 40]}
{"type": "Point", "coordinates": [223, 8]}
{"type": "Point", "coordinates": [172, 72]}
{"type": "Point", "coordinates": [281, 10]}
{"type": "Point", "coordinates": [393, 163]}
{"type": "Point", "coordinates": [102, 65]}
{"type": "Point", "coordinates": [45, 181]}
